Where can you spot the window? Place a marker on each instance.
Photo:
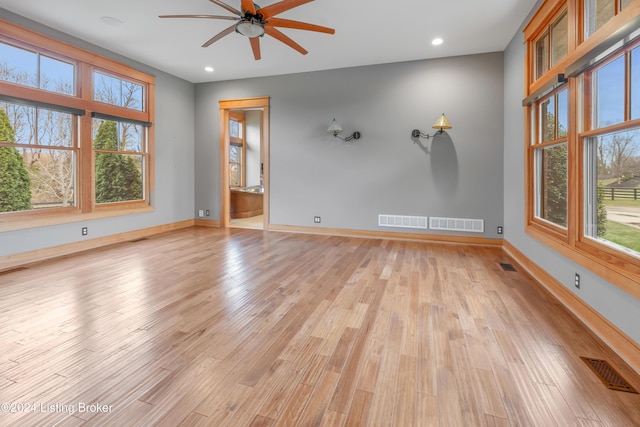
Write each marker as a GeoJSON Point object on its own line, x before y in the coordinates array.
{"type": "Point", "coordinates": [117, 91]}
{"type": "Point", "coordinates": [542, 55]}
{"type": "Point", "coordinates": [552, 46]}
{"type": "Point", "coordinates": [39, 154]}
{"type": "Point", "coordinates": [559, 39]}
{"type": "Point", "coordinates": [70, 146]}
{"type": "Point", "coordinates": [236, 149]}
{"type": "Point", "coordinates": [550, 157]}
{"type": "Point", "coordinates": [612, 155]}
{"type": "Point", "coordinates": [599, 12]}
{"type": "Point", "coordinates": [30, 68]}
{"type": "Point", "coordinates": [120, 158]}
{"type": "Point", "coordinates": [583, 136]}
{"type": "Point", "coordinates": [609, 94]}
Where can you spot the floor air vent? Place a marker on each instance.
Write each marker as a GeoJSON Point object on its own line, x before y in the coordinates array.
{"type": "Point", "coordinates": [609, 377]}
{"type": "Point", "coordinates": [402, 221]}
{"type": "Point", "coordinates": [457, 224]}
{"type": "Point", "coordinates": [507, 267]}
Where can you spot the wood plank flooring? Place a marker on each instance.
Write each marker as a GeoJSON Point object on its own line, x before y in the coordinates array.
{"type": "Point", "coordinates": [239, 327]}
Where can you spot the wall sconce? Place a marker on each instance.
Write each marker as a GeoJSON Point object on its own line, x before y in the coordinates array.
{"type": "Point", "coordinates": [335, 128]}
{"type": "Point", "coordinates": [441, 124]}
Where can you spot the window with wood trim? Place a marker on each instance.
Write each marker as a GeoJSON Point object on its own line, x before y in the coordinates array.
{"type": "Point", "coordinates": [75, 131]}
{"type": "Point", "coordinates": [611, 154]}
{"type": "Point", "coordinates": [120, 159]}
{"type": "Point", "coordinates": [38, 158]}
{"type": "Point", "coordinates": [550, 156]}
{"type": "Point", "coordinates": [583, 137]}
{"type": "Point", "coordinates": [552, 45]}
{"type": "Point", "coordinates": [31, 68]}
{"type": "Point", "coordinates": [596, 13]}
{"type": "Point", "coordinates": [236, 149]}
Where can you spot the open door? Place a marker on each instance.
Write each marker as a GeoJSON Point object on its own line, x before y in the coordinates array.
{"type": "Point", "coordinates": [226, 108]}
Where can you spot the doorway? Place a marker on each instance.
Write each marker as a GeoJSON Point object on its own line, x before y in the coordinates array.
{"type": "Point", "coordinates": [232, 159]}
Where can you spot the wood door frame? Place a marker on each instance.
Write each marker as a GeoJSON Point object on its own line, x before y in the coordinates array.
{"type": "Point", "coordinates": [241, 104]}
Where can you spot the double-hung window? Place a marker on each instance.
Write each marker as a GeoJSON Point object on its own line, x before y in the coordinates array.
{"type": "Point", "coordinates": [611, 154]}
{"type": "Point", "coordinates": [550, 159]}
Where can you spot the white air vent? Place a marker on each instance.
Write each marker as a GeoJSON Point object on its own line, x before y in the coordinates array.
{"type": "Point", "coordinates": [403, 221]}
{"type": "Point", "coordinates": [457, 224]}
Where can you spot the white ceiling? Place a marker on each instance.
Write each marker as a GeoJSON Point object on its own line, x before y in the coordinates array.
{"type": "Point", "coordinates": [367, 33]}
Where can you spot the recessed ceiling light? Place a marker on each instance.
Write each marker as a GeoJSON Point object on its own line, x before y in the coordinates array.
{"type": "Point", "coordinates": [437, 41]}
{"type": "Point", "coordinates": [111, 21]}
{"type": "Point", "coordinates": [208, 69]}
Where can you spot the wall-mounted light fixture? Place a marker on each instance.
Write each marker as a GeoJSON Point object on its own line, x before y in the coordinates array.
{"type": "Point", "coordinates": [335, 129]}
{"type": "Point", "coordinates": [441, 124]}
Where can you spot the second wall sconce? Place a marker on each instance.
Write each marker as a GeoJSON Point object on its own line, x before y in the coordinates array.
{"type": "Point", "coordinates": [441, 124]}
{"type": "Point", "coordinates": [335, 129]}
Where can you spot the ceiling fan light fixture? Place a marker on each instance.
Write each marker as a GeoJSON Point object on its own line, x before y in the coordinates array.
{"type": "Point", "coordinates": [250, 28]}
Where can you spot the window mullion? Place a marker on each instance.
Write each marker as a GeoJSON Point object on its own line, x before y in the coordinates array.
{"type": "Point", "coordinates": [627, 86]}
{"type": "Point", "coordinates": [573, 167]}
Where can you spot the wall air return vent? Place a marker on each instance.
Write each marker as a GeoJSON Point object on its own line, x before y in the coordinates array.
{"type": "Point", "coordinates": [403, 221]}
{"type": "Point", "coordinates": [457, 224]}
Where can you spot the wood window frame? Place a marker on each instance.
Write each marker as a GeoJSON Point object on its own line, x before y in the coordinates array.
{"type": "Point", "coordinates": [582, 10]}
{"type": "Point", "coordinates": [534, 221]}
{"type": "Point", "coordinates": [617, 267]}
{"type": "Point", "coordinates": [583, 242]}
{"type": "Point", "coordinates": [238, 116]}
{"type": "Point", "coordinates": [538, 143]}
{"type": "Point", "coordinates": [540, 25]}
{"type": "Point", "coordinates": [86, 63]}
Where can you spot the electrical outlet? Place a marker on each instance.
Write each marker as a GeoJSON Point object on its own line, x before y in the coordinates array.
{"type": "Point", "coordinates": [316, 219]}
{"type": "Point", "coordinates": [577, 281]}
{"type": "Point", "coordinates": [207, 212]}
{"type": "Point", "coordinates": [499, 229]}
{"type": "Point", "coordinates": [200, 213]}
{"type": "Point", "coordinates": [85, 231]}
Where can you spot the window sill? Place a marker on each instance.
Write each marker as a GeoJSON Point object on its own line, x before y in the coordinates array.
{"type": "Point", "coordinates": [42, 219]}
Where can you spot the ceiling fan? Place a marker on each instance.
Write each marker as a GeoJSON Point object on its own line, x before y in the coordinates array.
{"type": "Point", "coordinates": [253, 22]}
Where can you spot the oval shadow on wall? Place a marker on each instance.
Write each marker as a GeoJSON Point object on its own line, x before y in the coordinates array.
{"type": "Point", "coordinates": [444, 164]}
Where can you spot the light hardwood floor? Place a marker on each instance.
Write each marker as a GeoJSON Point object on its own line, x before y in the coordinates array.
{"type": "Point", "coordinates": [255, 222]}
{"type": "Point", "coordinates": [245, 327]}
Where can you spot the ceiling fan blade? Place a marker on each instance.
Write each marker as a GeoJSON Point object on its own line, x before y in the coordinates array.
{"type": "Point", "coordinates": [287, 23]}
{"type": "Point", "coordinates": [220, 35]}
{"type": "Point", "coordinates": [248, 6]}
{"type": "Point", "coordinates": [255, 46]}
{"type": "Point", "coordinates": [232, 18]}
{"type": "Point", "coordinates": [284, 39]}
{"type": "Point", "coordinates": [226, 6]}
{"type": "Point", "coordinates": [276, 8]}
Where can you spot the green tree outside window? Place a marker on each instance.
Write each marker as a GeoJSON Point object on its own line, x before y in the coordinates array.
{"type": "Point", "coordinates": [15, 184]}
{"type": "Point", "coordinates": [117, 176]}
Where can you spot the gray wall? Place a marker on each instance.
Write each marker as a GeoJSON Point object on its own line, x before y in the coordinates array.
{"type": "Point", "coordinates": [349, 184]}
{"type": "Point", "coordinates": [622, 309]}
{"type": "Point", "coordinates": [173, 199]}
{"type": "Point", "coordinates": [253, 140]}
